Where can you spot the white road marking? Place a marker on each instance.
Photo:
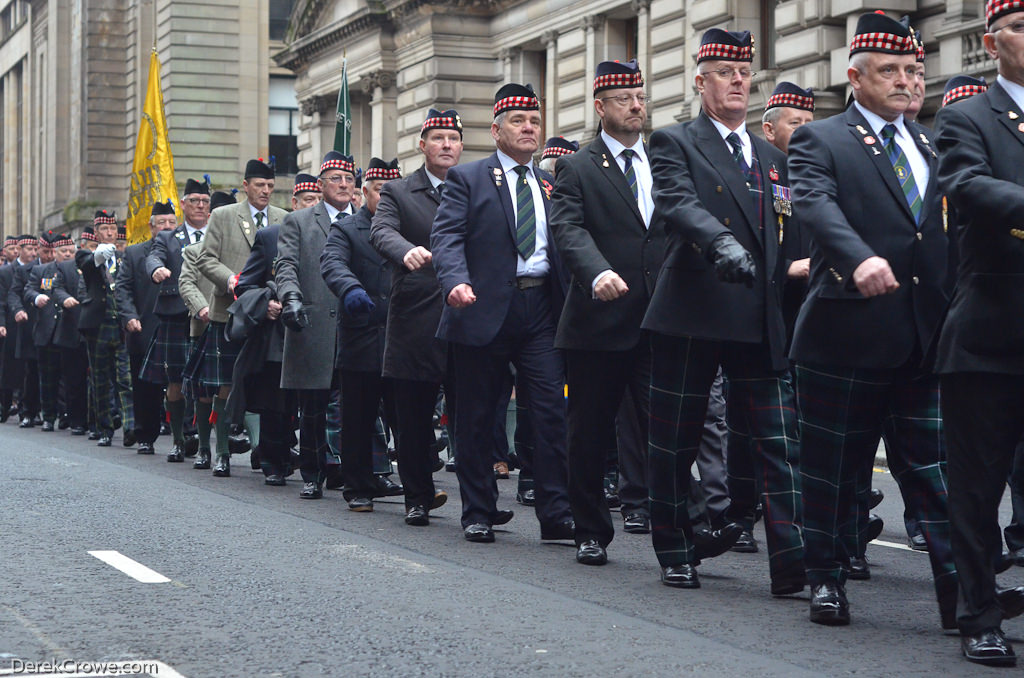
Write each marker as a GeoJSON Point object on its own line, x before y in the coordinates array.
{"type": "Point", "coordinates": [133, 569]}
{"type": "Point", "coordinates": [894, 545]}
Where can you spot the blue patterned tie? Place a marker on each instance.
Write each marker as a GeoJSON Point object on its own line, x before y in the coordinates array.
{"type": "Point", "coordinates": [627, 156]}
{"type": "Point", "coordinates": [526, 216]}
{"type": "Point", "coordinates": [902, 168]}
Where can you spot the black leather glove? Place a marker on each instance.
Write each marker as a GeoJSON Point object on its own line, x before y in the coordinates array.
{"type": "Point", "coordinates": [292, 315]}
{"type": "Point", "coordinates": [733, 263]}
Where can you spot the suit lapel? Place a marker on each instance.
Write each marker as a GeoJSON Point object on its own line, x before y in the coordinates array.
{"type": "Point", "coordinates": [499, 180]}
{"type": "Point", "coordinates": [245, 223]}
{"type": "Point", "coordinates": [608, 167]}
{"type": "Point", "coordinates": [421, 182]}
{"type": "Point", "coordinates": [714, 149]}
{"type": "Point", "coordinates": [1007, 111]}
{"type": "Point", "coordinates": [323, 220]}
{"type": "Point", "coordinates": [874, 147]}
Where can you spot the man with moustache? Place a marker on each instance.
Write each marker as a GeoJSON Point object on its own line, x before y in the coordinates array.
{"type": "Point", "coordinates": [414, 359]}
{"type": "Point", "coordinates": [501, 281]}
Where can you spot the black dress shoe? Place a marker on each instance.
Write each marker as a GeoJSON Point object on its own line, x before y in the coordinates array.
{"type": "Point", "coordinates": [449, 465]}
{"type": "Point", "coordinates": [440, 499]}
{"type": "Point", "coordinates": [875, 525]}
{"type": "Point", "coordinates": [146, 448]}
{"type": "Point", "coordinates": [202, 460]}
{"type": "Point", "coordinates": [1005, 561]}
{"type": "Point", "coordinates": [636, 523]}
{"type": "Point", "coordinates": [386, 487]}
{"type": "Point", "coordinates": [875, 498]}
{"type": "Point", "coordinates": [417, 516]}
{"type": "Point", "coordinates": [611, 495]}
{"type": "Point", "coordinates": [105, 441]}
{"type": "Point", "coordinates": [128, 438]}
{"type": "Point", "coordinates": [526, 497]}
{"type": "Point", "coordinates": [239, 443]}
{"type": "Point", "coordinates": [311, 491]}
{"type": "Point", "coordinates": [563, 531]}
{"type": "Point", "coordinates": [680, 576]}
{"type": "Point", "coordinates": [191, 446]}
{"type": "Point", "coordinates": [829, 605]}
{"type": "Point", "coordinates": [361, 505]}
{"type": "Point", "coordinates": [254, 459]}
{"type": "Point", "coordinates": [988, 647]}
{"type": "Point", "coordinates": [94, 435]}
{"type": "Point", "coordinates": [918, 542]}
{"type": "Point", "coordinates": [1011, 601]}
{"type": "Point", "coordinates": [27, 422]}
{"type": "Point", "coordinates": [222, 469]}
{"type": "Point", "coordinates": [859, 570]}
{"type": "Point", "coordinates": [438, 465]}
{"type": "Point", "coordinates": [502, 517]}
{"type": "Point", "coordinates": [708, 543]}
{"type": "Point", "coordinates": [175, 456]}
{"type": "Point", "coordinates": [78, 430]}
{"type": "Point", "coordinates": [275, 479]}
{"type": "Point", "coordinates": [479, 532]}
{"type": "Point", "coordinates": [48, 426]}
{"type": "Point", "coordinates": [745, 543]}
{"type": "Point", "coordinates": [591, 552]}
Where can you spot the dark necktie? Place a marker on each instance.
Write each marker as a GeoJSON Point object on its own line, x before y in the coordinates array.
{"type": "Point", "coordinates": [259, 220]}
{"type": "Point", "coordinates": [198, 235]}
{"type": "Point", "coordinates": [737, 153]}
{"type": "Point", "coordinates": [627, 157]}
{"type": "Point", "coordinates": [902, 168]}
{"type": "Point", "coordinates": [440, 189]}
{"type": "Point", "coordinates": [526, 217]}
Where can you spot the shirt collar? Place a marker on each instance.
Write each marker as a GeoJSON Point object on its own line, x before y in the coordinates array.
{"type": "Point", "coordinates": [333, 212]}
{"type": "Point", "coordinates": [1015, 91]}
{"type": "Point", "coordinates": [253, 212]}
{"type": "Point", "coordinates": [877, 122]}
{"type": "Point", "coordinates": [434, 181]}
{"type": "Point", "coordinates": [615, 147]}
{"type": "Point", "coordinates": [507, 163]}
{"type": "Point", "coordinates": [740, 131]}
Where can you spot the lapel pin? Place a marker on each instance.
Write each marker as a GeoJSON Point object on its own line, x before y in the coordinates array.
{"type": "Point", "coordinates": [860, 128]}
{"type": "Point", "coordinates": [876, 151]}
{"type": "Point", "coordinates": [1020, 127]}
{"type": "Point", "coordinates": [773, 174]}
{"type": "Point", "coordinates": [605, 163]}
{"type": "Point", "coordinates": [924, 139]}
{"type": "Point", "coordinates": [869, 141]}
{"type": "Point", "coordinates": [1013, 115]}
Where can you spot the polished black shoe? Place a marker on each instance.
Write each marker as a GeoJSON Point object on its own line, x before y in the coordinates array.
{"type": "Point", "coordinates": [918, 542]}
{"type": "Point", "coordinates": [438, 465]}
{"type": "Point", "coordinates": [386, 487]}
{"type": "Point", "coordinates": [563, 531]}
{"type": "Point", "coordinates": [275, 479]}
{"type": "Point", "coordinates": [128, 438]}
{"type": "Point", "coordinates": [875, 498]}
{"type": "Point", "coordinates": [239, 443]}
{"type": "Point", "coordinates": [105, 441]}
{"type": "Point", "coordinates": [988, 647]}
{"type": "Point", "coordinates": [1011, 601]}
{"type": "Point", "coordinates": [875, 525]}
{"type": "Point", "coordinates": [222, 468]}
{"type": "Point", "coordinates": [27, 422]}
{"type": "Point", "coordinates": [859, 570]}
{"type": "Point", "coordinates": [175, 456]}
{"type": "Point", "coordinates": [680, 577]}
{"type": "Point", "coordinates": [417, 516]}
{"type": "Point", "coordinates": [636, 523]}
{"type": "Point", "coordinates": [449, 465]}
{"type": "Point", "coordinates": [829, 605]}
{"type": "Point", "coordinates": [191, 444]}
{"type": "Point", "coordinates": [94, 435]}
{"type": "Point", "coordinates": [708, 543]}
{"type": "Point", "coordinates": [202, 460]}
{"type": "Point", "coordinates": [48, 426]}
{"type": "Point", "coordinates": [311, 491]}
{"type": "Point", "coordinates": [745, 543]}
{"type": "Point", "coordinates": [611, 495]}
{"type": "Point", "coordinates": [502, 517]}
{"type": "Point", "coordinates": [526, 497]}
{"type": "Point", "coordinates": [440, 499]}
{"type": "Point", "coordinates": [145, 448]}
{"type": "Point", "coordinates": [479, 532]}
{"type": "Point", "coordinates": [591, 552]}
{"type": "Point", "coordinates": [78, 430]}
{"type": "Point", "coordinates": [361, 505]}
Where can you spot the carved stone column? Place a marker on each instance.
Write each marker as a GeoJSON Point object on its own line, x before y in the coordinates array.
{"type": "Point", "coordinates": [592, 26]}
{"type": "Point", "coordinates": [643, 35]}
{"type": "Point", "coordinates": [509, 56]}
{"type": "Point", "coordinates": [380, 84]}
{"type": "Point", "coordinates": [550, 40]}
{"type": "Point", "coordinates": [318, 111]}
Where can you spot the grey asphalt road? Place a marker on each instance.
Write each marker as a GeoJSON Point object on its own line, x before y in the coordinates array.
{"type": "Point", "coordinates": [265, 584]}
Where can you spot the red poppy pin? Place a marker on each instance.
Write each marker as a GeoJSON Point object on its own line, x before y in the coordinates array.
{"type": "Point", "coordinates": [869, 141]}
{"type": "Point", "coordinates": [547, 188]}
{"type": "Point", "coordinates": [773, 174]}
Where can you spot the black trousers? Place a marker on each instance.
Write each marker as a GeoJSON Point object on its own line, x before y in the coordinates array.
{"type": "Point", "coordinates": [631, 445]}
{"type": "Point", "coordinates": [147, 402]}
{"type": "Point", "coordinates": [983, 425]}
{"type": "Point", "coordinates": [598, 380]}
{"type": "Point", "coordinates": [276, 439]}
{"type": "Point", "coordinates": [1014, 532]}
{"type": "Point", "coordinates": [48, 358]}
{"type": "Point", "coordinates": [28, 406]}
{"type": "Point", "coordinates": [74, 366]}
{"type": "Point", "coordinates": [313, 448]}
{"type": "Point", "coordinates": [526, 339]}
{"type": "Point", "coordinates": [361, 396]}
{"type": "Point", "coordinates": [414, 410]}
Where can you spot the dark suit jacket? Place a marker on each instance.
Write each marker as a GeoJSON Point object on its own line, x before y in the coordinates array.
{"type": "Point", "coordinates": [849, 198]}
{"type": "Point", "coordinates": [25, 348]}
{"type": "Point", "coordinates": [700, 193]}
{"type": "Point", "coordinates": [96, 284]}
{"type": "Point", "coordinates": [166, 253]}
{"type": "Point", "coordinates": [136, 297]}
{"type": "Point", "coordinates": [41, 281]}
{"type": "Point", "coordinates": [982, 171]}
{"type": "Point", "coordinates": [473, 241]}
{"type": "Point", "coordinates": [349, 262]}
{"type": "Point", "coordinates": [6, 278]}
{"type": "Point", "coordinates": [404, 217]}
{"type": "Point", "coordinates": [65, 287]}
{"type": "Point", "coordinates": [597, 226]}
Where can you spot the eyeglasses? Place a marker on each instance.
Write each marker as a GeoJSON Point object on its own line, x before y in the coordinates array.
{"type": "Point", "coordinates": [339, 178]}
{"type": "Point", "coordinates": [197, 201]}
{"type": "Point", "coordinates": [728, 73]}
{"type": "Point", "coordinates": [627, 99]}
{"type": "Point", "coordinates": [1014, 26]}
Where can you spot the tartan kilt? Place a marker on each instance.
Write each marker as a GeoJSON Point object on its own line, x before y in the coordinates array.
{"type": "Point", "coordinates": [219, 356]}
{"type": "Point", "coordinates": [191, 384]}
{"type": "Point", "coordinates": [168, 351]}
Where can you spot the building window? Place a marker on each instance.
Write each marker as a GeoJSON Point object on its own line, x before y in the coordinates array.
{"type": "Point", "coordinates": [283, 124]}
{"type": "Point", "coordinates": [280, 12]}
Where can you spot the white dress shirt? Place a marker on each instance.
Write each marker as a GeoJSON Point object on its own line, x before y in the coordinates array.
{"type": "Point", "coordinates": [537, 265]}
{"type": "Point", "coordinates": [1015, 91]}
{"type": "Point", "coordinates": [741, 132]}
{"type": "Point", "coordinates": [253, 212]}
{"type": "Point", "coordinates": [918, 165]}
{"type": "Point", "coordinates": [642, 168]}
{"type": "Point", "coordinates": [333, 211]}
{"type": "Point", "coordinates": [191, 231]}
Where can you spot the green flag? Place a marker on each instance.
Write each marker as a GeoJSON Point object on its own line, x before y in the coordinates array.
{"type": "Point", "coordinates": [343, 127]}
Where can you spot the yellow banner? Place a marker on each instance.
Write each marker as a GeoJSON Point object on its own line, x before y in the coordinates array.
{"type": "Point", "coordinates": [153, 167]}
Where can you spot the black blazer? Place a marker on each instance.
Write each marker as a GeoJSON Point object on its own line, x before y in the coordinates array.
{"type": "Point", "coordinates": [700, 193]}
{"type": "Point", "coordinates": [597, 226]}
{"type": "Point", "coordinates": [166, 253]}
{"type": "Point", "coordinates": [65, 287]}
{"type": "Point", "coordinates": [136, 296]}
{"type": "Point", "coordinates": [349, 261]}
{"type": "Point", "coordinates": [849, 198]}
{"type": "Point", "coordinates": [25, 348]}
{"type": "Point", "coordinates": [41, 280]}
{"type": "Point", "coordinates": [473, 241]}
{"type": "Point", "coordinates": [6, 279]}
{"type": "Point", "coordinates": [981, 169]}
{"type": "Point", "coordinates": [97, 285]}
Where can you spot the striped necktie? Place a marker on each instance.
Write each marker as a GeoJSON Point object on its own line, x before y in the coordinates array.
{"type": "Point", "coordinates": [526, 216]}
{"type": "Point", "coordinates": [259, 220]}
{"type": "Point", "coordinates": [627, 156]}
{"type": "Point", "coordinates": [902, 168]}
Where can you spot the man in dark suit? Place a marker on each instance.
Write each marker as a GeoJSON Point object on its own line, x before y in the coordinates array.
{"type": "Point", "coordinates": [168, 350]}
{"type": "Point", "coordinates": [38, 295]}
{"type": "Point", "coordinates": [875, 301]}
{"type": "Point", "coordinates": [501, 282]}
{"type": "Point", "coordinates": [601, 220]}
{"type": "Point", "coordinates": [359, 277]}
{"type": "Point", "coordinates": [73, 358]}
{"type": "Point", "coordinates": [414, 358]}
{"type": "Point", "coordinates": [136, 310]}
{"type": "Point", "coordinates": [8, 364]}
{"type": "Point", "coordinates": [723, 196]}
{"type": "Point", "coordinates": [980, 354]}
{"type": "Point", "coordinates": [25, 321]}
{"type": "Point", "coordinates": [309, 313]}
